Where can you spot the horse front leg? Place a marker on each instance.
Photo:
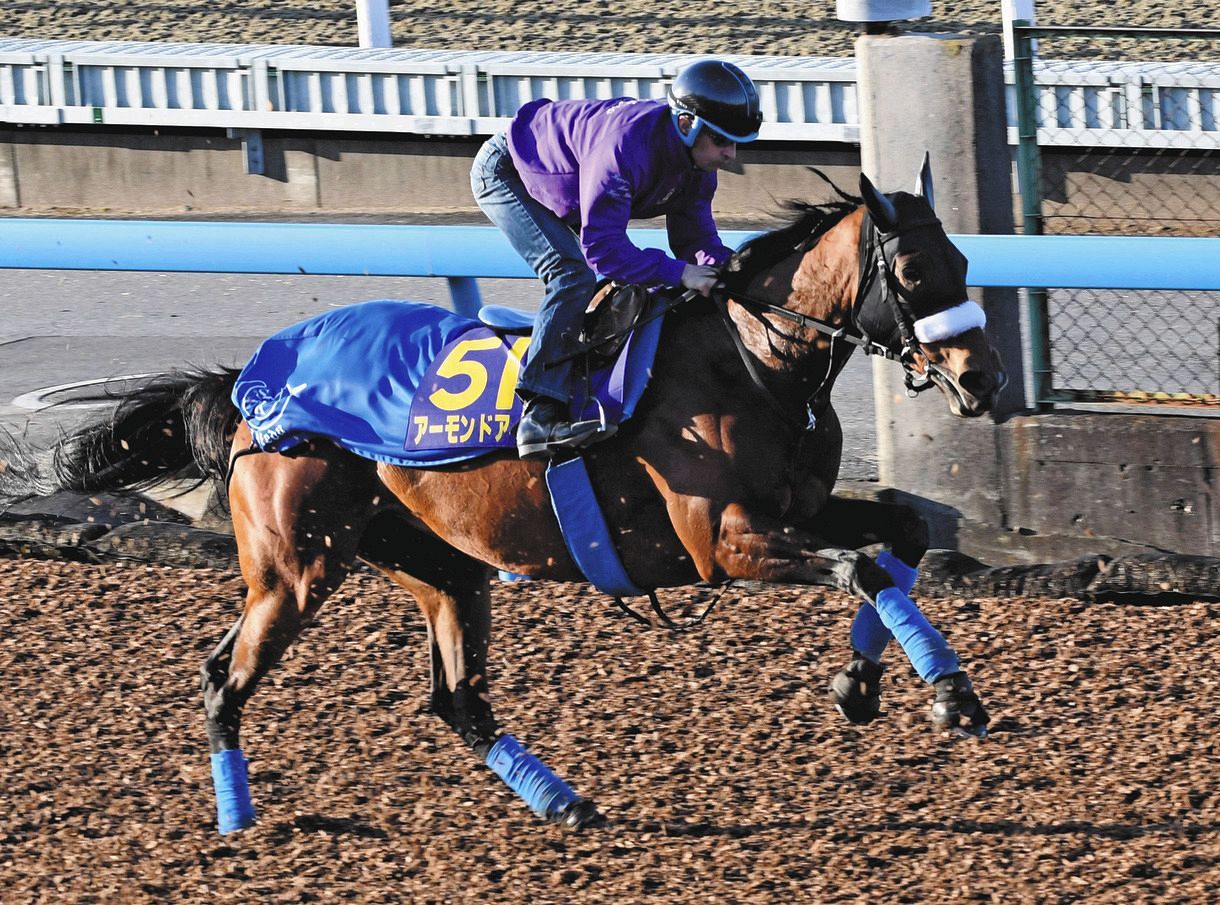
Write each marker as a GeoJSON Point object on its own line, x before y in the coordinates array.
{"type": "Point", "coordinates": [856, 689]}
{"type": "Point", "coordinates": [761, 548]}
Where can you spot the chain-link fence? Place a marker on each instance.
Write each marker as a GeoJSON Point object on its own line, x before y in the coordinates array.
{"type": "Point", "coordinates": [1122, 148]}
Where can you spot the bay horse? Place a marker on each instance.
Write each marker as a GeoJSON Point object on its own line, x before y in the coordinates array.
{"type": "Point", "coordinates": [725, 471]}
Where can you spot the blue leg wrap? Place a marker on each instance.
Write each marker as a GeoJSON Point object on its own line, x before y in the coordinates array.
{"type": "Point", "coordinates": [545, 793]}
{"type": "Point", "coordinates": [924, 646]}
{"type": "Point", "coordinates": [868, 635]}
{"type": "Point", "coordinates": [904, 576]}
{"type": "Point", "coordinates": [234, 809]}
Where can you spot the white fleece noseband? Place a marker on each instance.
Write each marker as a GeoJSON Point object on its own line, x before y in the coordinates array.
{"type": "Point", "coordinates": [950, 322]}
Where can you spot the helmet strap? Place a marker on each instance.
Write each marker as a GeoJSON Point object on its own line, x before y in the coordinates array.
{"type": "Point", "coordinates": [690, 135]}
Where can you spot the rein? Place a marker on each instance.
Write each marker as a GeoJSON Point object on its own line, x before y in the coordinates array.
{"type": "Point", "coordinates": [653, 312]}
{"type": "Point", "coordinates": [870, 346]}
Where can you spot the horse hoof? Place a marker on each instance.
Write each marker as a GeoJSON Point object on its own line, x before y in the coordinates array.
{"type": "Point", "coordinates": [856, 690]}
{"type": "Point", "coordinates": [957, 708]}
{"type": "Point", "coordinates": [579, 814]}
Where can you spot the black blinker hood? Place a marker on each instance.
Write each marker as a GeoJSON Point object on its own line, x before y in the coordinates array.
{"type": "Point", "coordinates": [873, 315]}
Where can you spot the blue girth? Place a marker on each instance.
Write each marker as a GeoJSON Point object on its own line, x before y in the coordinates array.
{"type": "Point", "coordinates": [585, 530]}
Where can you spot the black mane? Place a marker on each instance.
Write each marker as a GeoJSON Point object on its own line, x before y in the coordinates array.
{"type": "Point", "coordinates": [810, 222]}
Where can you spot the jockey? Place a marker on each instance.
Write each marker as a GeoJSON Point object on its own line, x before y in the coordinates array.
{"type": "Point", "coordinates": [564, 181]}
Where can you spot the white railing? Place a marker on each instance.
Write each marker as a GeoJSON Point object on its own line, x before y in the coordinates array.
{"type": "Point", "coordinates": [384, 90]}
{"type": "Point", "coordinates": [254, 87]}
{"type": "Point", "coordinates": [1138, 105]}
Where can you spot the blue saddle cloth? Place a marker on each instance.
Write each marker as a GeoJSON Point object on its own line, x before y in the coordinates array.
{"type": "Point", "coordinates": [411, 384]}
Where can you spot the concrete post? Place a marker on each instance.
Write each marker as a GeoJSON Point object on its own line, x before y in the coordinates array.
{"type": "Point", "coordinates": [943, 94]}
{"type": "Point", "coordinates": [9, 194]}
{"type": "Point", "coordinates": [1011, 10]}
{"type": "Point", "coordinates": [373, 23]}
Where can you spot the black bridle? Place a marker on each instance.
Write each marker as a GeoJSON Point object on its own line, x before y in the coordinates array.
{"type": "Point", "coordinates": [880, 294]}
{"type": "Point", "coordinates": [881, 308]}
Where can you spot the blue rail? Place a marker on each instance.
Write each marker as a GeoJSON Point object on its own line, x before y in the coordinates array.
{"type": "Point", "coordinates": [461, 254]}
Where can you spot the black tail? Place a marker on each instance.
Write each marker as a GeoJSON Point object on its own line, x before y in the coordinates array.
{"type": "Point", "coordinates": [177, 426]}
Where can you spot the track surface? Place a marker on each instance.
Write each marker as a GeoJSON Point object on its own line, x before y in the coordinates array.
{"type": "Point", "coordinates": [789, 27]}
{"type": "Point", "coordinates": [725, 775]}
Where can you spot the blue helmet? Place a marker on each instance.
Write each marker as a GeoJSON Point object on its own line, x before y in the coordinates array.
{"type": "Point", "coordinates": [718, 95]}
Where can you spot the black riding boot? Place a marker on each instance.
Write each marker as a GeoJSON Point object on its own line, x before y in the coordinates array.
{"type": "Point", "coordinates": [545, 429]}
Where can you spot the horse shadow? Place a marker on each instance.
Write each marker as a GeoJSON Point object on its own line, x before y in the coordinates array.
{"type": "Point", "coordinates": [324, 824]}
{"type": "Point", "coordinates": [966, 827]}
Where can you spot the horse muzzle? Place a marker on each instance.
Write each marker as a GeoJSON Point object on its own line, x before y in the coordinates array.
{"type": "Point", "coordinates": [973, 392]}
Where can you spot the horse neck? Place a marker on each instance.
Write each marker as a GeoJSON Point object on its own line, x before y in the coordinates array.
{"type": "Point", "coordinates": [819, 283]}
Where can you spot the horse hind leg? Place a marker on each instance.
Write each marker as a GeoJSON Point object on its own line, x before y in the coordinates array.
{"type": "Point", "coordinates": [458, 629]}
{"type": "Point", "coordinates": [234, 807]}
{"type": "Point", "coordinates": [272, 620]}
{"type": "Point", "coordinates": [292, 558]}
{"type": "Point", "coordinates": [454, 595]}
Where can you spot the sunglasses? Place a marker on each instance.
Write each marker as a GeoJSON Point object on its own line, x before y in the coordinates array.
{"type": "Point", "coordinates": [720, 141]}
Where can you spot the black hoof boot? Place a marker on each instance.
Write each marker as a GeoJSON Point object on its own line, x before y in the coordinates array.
{"type": "Point", "coordinates": [579, 814]}
{"type": "Point", "coordinates": [957, 708]}
{"type": "Point", "coordinates": [856, 691]}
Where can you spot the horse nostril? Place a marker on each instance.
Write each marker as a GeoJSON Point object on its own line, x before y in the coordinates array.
{"type": "Point", "coordinates": [979, 384]}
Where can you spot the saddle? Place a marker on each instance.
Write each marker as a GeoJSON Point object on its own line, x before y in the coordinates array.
{"type": "Point", "coordinates": [611, 316]}
{"type": "Point", "coordinates": [612, 313]}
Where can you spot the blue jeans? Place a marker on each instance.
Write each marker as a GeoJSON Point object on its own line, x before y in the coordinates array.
{"type": "Point", "coordinates": [552, 249]}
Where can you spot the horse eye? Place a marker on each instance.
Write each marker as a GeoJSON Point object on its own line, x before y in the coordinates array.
{"type": "Point", "coordinates": [911, 274]}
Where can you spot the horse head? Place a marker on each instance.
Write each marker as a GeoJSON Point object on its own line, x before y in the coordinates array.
{"type": "Point", "coordinates": [912, 299]}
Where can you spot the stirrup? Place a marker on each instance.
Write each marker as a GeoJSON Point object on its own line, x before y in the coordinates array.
{"type": "Point", "coordinates": [605, 428]}
{"type": "Point", "coordinates": [582, 434]}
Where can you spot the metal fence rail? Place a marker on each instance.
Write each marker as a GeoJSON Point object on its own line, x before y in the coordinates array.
{"type": "Point", "coordinates": [1141, 345]}
{"type": "Point", "coordinates": [374, 249]}
{"type": "Point", "coordinates": [1105, 267]}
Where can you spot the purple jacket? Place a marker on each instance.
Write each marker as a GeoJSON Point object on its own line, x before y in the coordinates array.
{"type": "Point", "coordinates": [600, 164]}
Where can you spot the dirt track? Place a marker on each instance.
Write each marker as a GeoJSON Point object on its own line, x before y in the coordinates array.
{"type": "Point", "coordinates": [784, 27]}
{"type": "Point", "coordinates": [725, 774]}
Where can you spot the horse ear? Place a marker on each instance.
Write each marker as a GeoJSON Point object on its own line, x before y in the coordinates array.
{"type": "Point", "coordinates": [882, 209]}
{"type": "Point", "coordinates": [923, 182]}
